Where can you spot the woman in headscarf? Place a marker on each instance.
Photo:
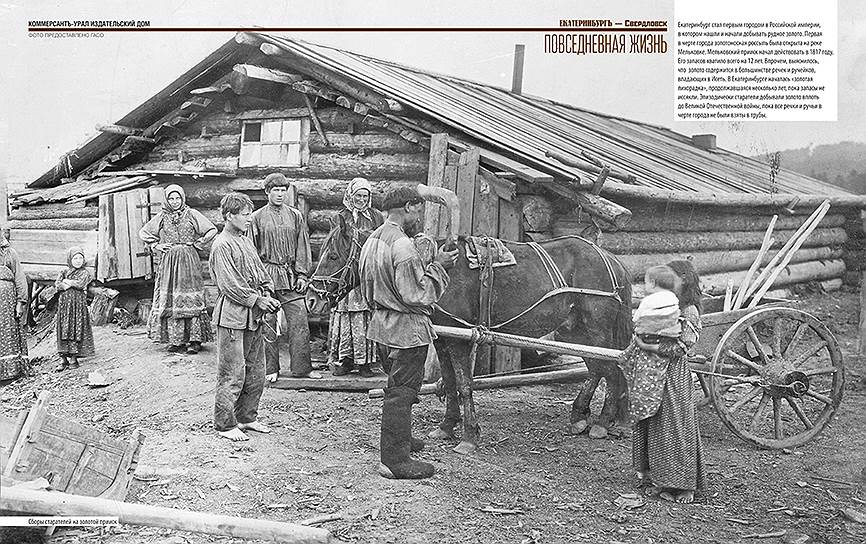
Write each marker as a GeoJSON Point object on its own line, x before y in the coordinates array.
{"type": "Point", "coordinates": [349, 346]}
{"type": "Point", "coordinates": [178, 316]}
{"type": "Point", "coordinates": [74, 333]}
{"type": "Point", "coordinates": [13, 303]}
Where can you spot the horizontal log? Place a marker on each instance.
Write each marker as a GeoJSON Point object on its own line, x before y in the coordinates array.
{"type": "Point", "coordinates": [321, 193]}
{"type": "Point", "coordinates": [118, 129]}
{"type": "Point", "coordinates": [52, 211]}
{"type": "Point", "coordinates": [579, 372]}
{"type": "Point", "coordinates": [47, 272]}
{"type": "Point", "coordinates": [367, 143]}
{"type": "Point", "coordinates": [733, 200]}
{"type": "Point", "coordinates": [656, 219]}
{"type": "Point", "coordinates": [68, 223]}
{"type": "Point", "coordinates": [710, 262]}
{"type": "Point", "coordinates": [222, 165]}
{"type": "Point", "coordinates": [49, 247]}
{"type": "Point", "coordinates": [793, 274]}
{"type": "Point", "coordinates": [630, 243]}
{"type": "Point", "coordinates": [196, 147]}
{"type": "Point", "coordinates": [53, 503]}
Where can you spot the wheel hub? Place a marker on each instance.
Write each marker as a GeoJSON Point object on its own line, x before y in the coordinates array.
{"type": "Point", "coordinates": [793, 384]}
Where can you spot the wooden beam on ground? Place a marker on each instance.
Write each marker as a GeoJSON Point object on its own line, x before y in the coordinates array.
{"type": "Point", "coordinates": [328, 383]}
{"type": "Point", "coordinates": [52, 503]}
{"type": "Point", "coordinates": [579, 372]}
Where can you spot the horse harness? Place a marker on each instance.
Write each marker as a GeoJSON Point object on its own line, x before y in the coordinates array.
{"type": "Point", "coordinates": [559, 286]}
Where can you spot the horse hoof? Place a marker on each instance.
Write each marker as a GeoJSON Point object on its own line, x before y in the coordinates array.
{"type": "Point", "coordinates": [597, 432]}
{"type": "Point", "coordinates": [578, 427]}
{"type": "Point", "coordinates": [439, 434]}
{"type": "Point", "coordinates": [465, 448]}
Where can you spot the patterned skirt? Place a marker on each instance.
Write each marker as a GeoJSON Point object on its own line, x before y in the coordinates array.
{"type": "Point", "coordinates": [668, 443]}
{"type": "Point", "coordinates": [347, 335]}
{"type": "Point", "coordinates": [74, 332]}
{"type": "Point", "coordinates": [13, 344]}
{"type": "Point", "coordinates": [178, 312]}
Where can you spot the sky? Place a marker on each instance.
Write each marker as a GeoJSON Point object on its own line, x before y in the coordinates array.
{"type": "Point", "coordinates": [53, 91]}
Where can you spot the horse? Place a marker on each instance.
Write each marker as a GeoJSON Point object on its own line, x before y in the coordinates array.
{"type": "Point", "coordinates": [567, 286]}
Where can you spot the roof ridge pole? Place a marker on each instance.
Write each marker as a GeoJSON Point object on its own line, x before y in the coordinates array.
{"type": "Point", "coordinates": [517, 71]}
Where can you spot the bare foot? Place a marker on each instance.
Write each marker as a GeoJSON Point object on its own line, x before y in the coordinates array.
{"type": "Point", "coordinates": [257, 426]}
{"type": "Point", "coordinates": [235, 435]}
{"type": "Point", "coordinates": [668, 496]}
{"type": "Point", "coordinates": [271, 377]}
{"type": "Point", "coordinates": [686, 497]}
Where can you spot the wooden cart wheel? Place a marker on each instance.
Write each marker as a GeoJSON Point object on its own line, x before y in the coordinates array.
{"type": "Point", "coordinates": [783, 377]}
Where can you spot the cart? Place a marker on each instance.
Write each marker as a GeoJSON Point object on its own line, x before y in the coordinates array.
{"type": "Point", "coordinates": [773, 373]}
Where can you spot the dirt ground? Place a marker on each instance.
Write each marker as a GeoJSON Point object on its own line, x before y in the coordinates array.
{"type": "Point", "coordinates": [322, 455]}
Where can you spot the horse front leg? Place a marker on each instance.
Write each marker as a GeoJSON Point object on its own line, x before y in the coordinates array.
{"type": "Point", "coordinates": [445, 431]}
{"type": "Point", "coordinates": [471, 430]}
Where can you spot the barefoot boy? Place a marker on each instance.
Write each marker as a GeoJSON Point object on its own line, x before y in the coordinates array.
{"type": "Point", "coordinates": [244, 297]}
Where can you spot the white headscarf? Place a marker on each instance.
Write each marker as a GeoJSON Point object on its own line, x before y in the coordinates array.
{"type": "Point", "coordinates": [356, 185]}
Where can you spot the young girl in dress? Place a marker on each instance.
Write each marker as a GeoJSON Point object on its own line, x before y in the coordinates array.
{"type": "Point", "coordinates": [666, 445]}
{"type": "Point", "coordinates": [74, 333]}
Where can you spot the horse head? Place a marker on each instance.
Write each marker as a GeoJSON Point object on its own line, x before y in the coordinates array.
{"type": "Point", "coordinates": [337, 270]}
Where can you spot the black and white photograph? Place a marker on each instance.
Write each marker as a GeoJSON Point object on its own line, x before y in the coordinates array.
{"type": "Point", "coordinates": [433, 272]}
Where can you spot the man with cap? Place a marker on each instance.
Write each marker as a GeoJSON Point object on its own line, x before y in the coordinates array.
{"type": "Point", "coordinates": [279, 233]}
{"type": "Point", "coordinates": [401, 290]}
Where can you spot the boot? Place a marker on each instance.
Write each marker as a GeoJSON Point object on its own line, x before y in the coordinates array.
{"type": "Point", "coordinates": [345, 367]}
{"type": "Point", "coordinates": [396, 439]}
{"type": "Point", "coordinates": [365, 371]}
{"type": "Point", "coordinates": [193, 348]}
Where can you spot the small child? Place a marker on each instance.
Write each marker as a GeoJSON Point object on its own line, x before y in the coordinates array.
{"type": "Point", "coordinates": [74, 333]}
{"type": "Point", "coordinates": [659, 311]}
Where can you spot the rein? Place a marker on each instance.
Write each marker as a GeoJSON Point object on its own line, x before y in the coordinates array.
{"type": "Point", "coordinates": [557, 279]}
{"type": "Point", "coordinates": [340, 276]}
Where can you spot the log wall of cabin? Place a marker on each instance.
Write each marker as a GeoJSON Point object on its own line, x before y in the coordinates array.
{"type": "Point", "coordinates": [354, 149]}
{"type": "Point", "coordinates": [722, 243]}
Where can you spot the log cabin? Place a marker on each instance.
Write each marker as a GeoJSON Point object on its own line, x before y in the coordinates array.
{"type": "Point", "coordinates": [524, 168]}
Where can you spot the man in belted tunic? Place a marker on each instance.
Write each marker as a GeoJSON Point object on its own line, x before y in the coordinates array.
{"type": "Point", "coordinates": [279, 233]}
{"type": "Point", "coordinates": [401, 289]}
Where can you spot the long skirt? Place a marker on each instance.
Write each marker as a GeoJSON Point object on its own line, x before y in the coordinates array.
{"type": "Point", "coordinates": [668, 443]}
{"type": "Point", "coordinates": [74, 332]}
{"type": "Point", "coordinates": [348, 338]}
{"type": "Point", "coordinates": [13, 345]}
{"type": "Point", "coordinates": [178, 312]}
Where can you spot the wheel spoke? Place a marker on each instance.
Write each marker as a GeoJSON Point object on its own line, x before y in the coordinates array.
{"type": "Point", "coordinates": [778, 430]}
{"type": "Point", "coordinates": [800, 413]}
{"type": "Point", "coordinates": [751, 364]}
{"type": "Point", "coordinates": [810, 351]}
{"type": "Point", "coordinates": [776, 346]}
{"type": "Point", "coordinates": [759, 413]}
{"type": "Point", "coordinates": [823, 398]}
{"type": "Point", "coordinates": [798, 334]}
{"type": "Point", "coordinates": [758, 345]}
{"type": "Point", "coordinates": [822, 370]}
{"type": "Point", "coordinates": [743, 401]}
